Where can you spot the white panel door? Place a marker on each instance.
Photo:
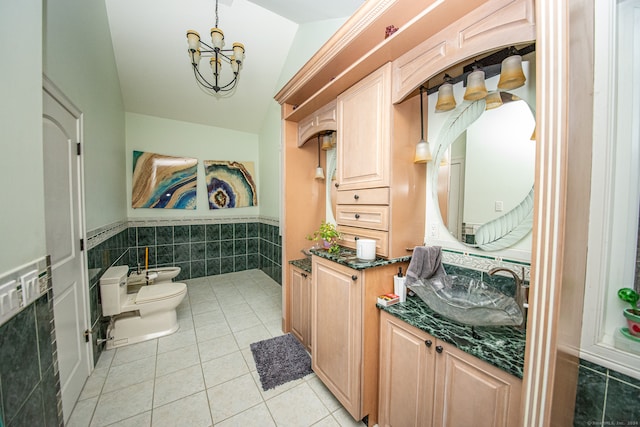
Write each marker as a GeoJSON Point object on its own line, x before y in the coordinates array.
{"type": "Point", "coordinates": [63, 220]}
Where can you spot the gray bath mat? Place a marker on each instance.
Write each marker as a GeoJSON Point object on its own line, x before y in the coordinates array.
{"type": "Point", "coordinates": [280, 360]}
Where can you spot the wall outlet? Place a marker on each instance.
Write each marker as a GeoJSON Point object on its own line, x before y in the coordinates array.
{"type": "Point", "coordinates": [433, 231]}
{"type": "Point", "coordinates": [499, 206]}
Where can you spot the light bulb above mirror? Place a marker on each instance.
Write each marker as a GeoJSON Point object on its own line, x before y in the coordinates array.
{"type": "Point", "coordinates": [423, 151]}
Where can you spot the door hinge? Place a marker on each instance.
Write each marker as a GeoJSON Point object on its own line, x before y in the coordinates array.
{"type": "Point", "coordinates": [79, 148]}
{"type": "Point", "coordinates": [82, 244]}
{"type": "Point", "coordinates": [87, 334]}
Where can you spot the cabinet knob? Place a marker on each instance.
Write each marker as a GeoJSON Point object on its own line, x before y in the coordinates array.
{"type": "Point", "coordinates": [356, 238]}
{"type": "Point", "coordinates": [428, 343]}
{"type": "Point", "coordinates": [355, 196]}
{"type": "Point", "coordinates": [337, 185]}
{"type": "Point", "coordinates": [439, 348]}
{"type": "Point", "coordinates": [354, 277]}
{"type": "Point", "coordinates": [357, 216]}
{"type": "Point", "coordinates": [304, 275]}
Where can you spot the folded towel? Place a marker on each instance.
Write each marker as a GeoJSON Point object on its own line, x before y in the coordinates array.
{"type": "Point", "coordinates": [426, 262]}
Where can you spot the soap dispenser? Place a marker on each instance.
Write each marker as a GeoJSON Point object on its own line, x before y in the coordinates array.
{"type": "Point", "coordinates": [399, 287]}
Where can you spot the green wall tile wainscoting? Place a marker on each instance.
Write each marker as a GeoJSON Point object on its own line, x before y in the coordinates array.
{"type": "Point", "coordinates": [605, 397]}
{"type": "Point", "coordinates": [29, 379]}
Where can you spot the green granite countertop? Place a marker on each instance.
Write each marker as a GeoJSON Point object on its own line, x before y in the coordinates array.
{"type": "Point", "coordinates": [501, 346]}
{"type": "Point", "coordinates": [303, 264]}
{"type": "Point", "coordinates": [348, 257]}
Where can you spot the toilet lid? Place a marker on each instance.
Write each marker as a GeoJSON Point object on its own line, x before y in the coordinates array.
{"type": "Point", "coordinates": [160, 291]}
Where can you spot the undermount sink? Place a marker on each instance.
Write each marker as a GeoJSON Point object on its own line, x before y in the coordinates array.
{"type": "Point", "coordinates": [468, 301]}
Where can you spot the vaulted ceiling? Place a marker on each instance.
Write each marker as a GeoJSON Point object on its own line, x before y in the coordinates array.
{"type": "Point", "coordinates": [150, 47]}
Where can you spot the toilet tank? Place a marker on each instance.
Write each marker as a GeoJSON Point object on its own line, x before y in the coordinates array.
{"type": "Point", "coordinates": [113, 288]}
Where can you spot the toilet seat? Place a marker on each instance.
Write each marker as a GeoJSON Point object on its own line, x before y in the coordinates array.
{"type": "Point", "coordinates": [159, 292]}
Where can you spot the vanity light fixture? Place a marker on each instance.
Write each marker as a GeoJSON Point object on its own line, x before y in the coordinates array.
{"type": "Point", "coordinates": [328, 140]}
{"type": "Point", "coordinates": [493, 100]}
{"type": "Point", "coordinates": [446, 100]}
{"type": "Point", "coordinates": [319, 171]}
{"type": "Point", "coordinates": [234, 57]}
{"type": "Point", "coordinates": [476, 89]}
{"type": "Point", "coordinates": [423, 151]}
{"type": "Point", "coordinates": [511, 75]}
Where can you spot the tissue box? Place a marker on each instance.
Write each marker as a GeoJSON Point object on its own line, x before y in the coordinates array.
{"type": "Point", "coordinates": [388, 299]}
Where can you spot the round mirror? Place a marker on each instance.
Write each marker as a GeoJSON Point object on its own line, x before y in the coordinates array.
{"type": "Point", "coordinates": [485, 160]}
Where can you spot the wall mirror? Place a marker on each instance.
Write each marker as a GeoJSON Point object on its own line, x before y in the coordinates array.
{"type": "Point", "coordinates": [482, 173]}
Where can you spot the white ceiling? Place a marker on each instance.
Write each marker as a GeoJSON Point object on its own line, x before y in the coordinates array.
{"type": "Point", "coordinates": [150, 47]}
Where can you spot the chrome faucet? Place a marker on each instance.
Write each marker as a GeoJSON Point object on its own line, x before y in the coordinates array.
{"type": "Point", "coordinates": [519, 291]}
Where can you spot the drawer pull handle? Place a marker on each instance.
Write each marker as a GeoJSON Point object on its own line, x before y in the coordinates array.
{"type": "Point", "coordinates": [354, 277]}
{"type": "Point", "coordinates": [428, 343]}
{"type": "Point", "coordinates": [357, 216]}
{"type": "Point", "coordinates": [304, 275]}
{"type": "Point", "coordinates": [356, 238]}
{"type": "Point", "coordinates": [439, 348]}
{"type": "Point", "coordinates": [337, 185]}
{"type": "Point", "coordinates": [355, 196]}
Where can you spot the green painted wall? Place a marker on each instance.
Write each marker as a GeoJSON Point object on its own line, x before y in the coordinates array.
{"type": "Point", "coordinates": [182, 139]}
{"type": "Point", "coordinates": [78, 58]}
{"type": "Point", "coordinates": [22, 218]}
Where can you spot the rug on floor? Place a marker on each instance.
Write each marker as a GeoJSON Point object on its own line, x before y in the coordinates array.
{"type": "Point", "coordinates": [280, 360]}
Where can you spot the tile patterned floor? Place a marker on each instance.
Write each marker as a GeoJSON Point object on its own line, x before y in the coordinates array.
{"type": "Point", "coordinates": [204, 374]}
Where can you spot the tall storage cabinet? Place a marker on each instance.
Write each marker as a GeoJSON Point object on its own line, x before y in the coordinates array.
{"type": "Point", "coordinates": [380, 190]}
{"type": "Point", "coordinates": [345, 339]}
{"type": "Point", "coordinates": [426, 382]}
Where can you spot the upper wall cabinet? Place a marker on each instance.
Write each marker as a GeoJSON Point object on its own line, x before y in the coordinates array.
{"type": "Point", "coordinates": [364, 138]}
{"type": "Point", "coordinates": [322, 120]}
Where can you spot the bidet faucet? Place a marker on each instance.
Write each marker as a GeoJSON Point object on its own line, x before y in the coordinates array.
{"type": "Point", "coordinates": [519, 291]}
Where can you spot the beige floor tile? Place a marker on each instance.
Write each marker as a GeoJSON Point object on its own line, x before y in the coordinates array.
{"type": "Point", "coordinates": [345, 419]}
{"type": "Point", "coordinates": [298, 407]}
{"type": "Point", "coordinates": [192, 411]}
{"type": "Point", "coordinates": [214, 330]}
{"type": "Point", "coordinates": [82, 413]}
{"type": "Point", "coordinates": [122, 404]}
{"type": "Point", "coordinates": [131, 373]}
{"type": "Point", "coordinates": [231, 398]}
{"type": "Point", "coordinates": [248, 336]}
{"type": "Point", "coordinates": [141, 420]}
{"type": "Point", "coordinates": [257, 416]}
{"type": "Point", "coordinates": [327, 398]}
{"type": "Point", "coordinates": [177, 385]}
{"type": "Point", "coordinates": [217, 347]}
{"type": "Point", "coordinates": [93, 386]}
{"type": "Point", "coordinates": [224, 368]}
{"type": "Point", "coordinates": [327, 422]}
{"type": "Point", "coordinates": [248, 320]}
{"type": "Point", "coordinates": [133, 352]}
{"type": "Point", "coordinates": [177, 340]}
{"type": "Point", "coordinates": [176, 360]}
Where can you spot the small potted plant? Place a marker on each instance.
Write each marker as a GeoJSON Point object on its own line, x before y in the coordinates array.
{"type": "Point", "coordinates": [328, 236]}
{"type": "Point", "coordinates": [632, 314]}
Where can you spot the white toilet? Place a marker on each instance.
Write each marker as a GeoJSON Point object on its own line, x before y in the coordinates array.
{"type": "Point", "coordinates": [144, 315]}
{"type": "Point", "coordinates": [158, 275]}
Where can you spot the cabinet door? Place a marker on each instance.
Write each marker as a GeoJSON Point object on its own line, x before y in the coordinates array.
{"type": "Point", "coordinates": [301, 306]}
{"type": "Point", "coordinates": [364, 116]}
{"type": "Point", "coordinates": [471, 392]}
{"type": "Point", "coordinates": [337, 331]}
{"type": "Point", "coordinates": [406, 374]}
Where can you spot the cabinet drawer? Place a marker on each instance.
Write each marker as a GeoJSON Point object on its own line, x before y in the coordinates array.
{"type": "Point", "coordinates": [351, 234]}
{"type": "Point", "coordinates": [369, 216]}
{"type": "Point", "coordinates": [368, 196]}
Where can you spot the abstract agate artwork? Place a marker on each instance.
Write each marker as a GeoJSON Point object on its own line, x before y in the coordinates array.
{"type": "Point", "coordinates": [230, 184]}
{"type": "Point", "coordinates": [163, 181]}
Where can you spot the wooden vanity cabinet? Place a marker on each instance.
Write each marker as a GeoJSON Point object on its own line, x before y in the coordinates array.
{"type": "Point", "coordinates": [380, 189]}
{"type": "Point", "coordinates": [426, 382]}
{"type": "Point", "coordinates": [345, 325]}
{"type": "Point", "coordinates": [300, 285]}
